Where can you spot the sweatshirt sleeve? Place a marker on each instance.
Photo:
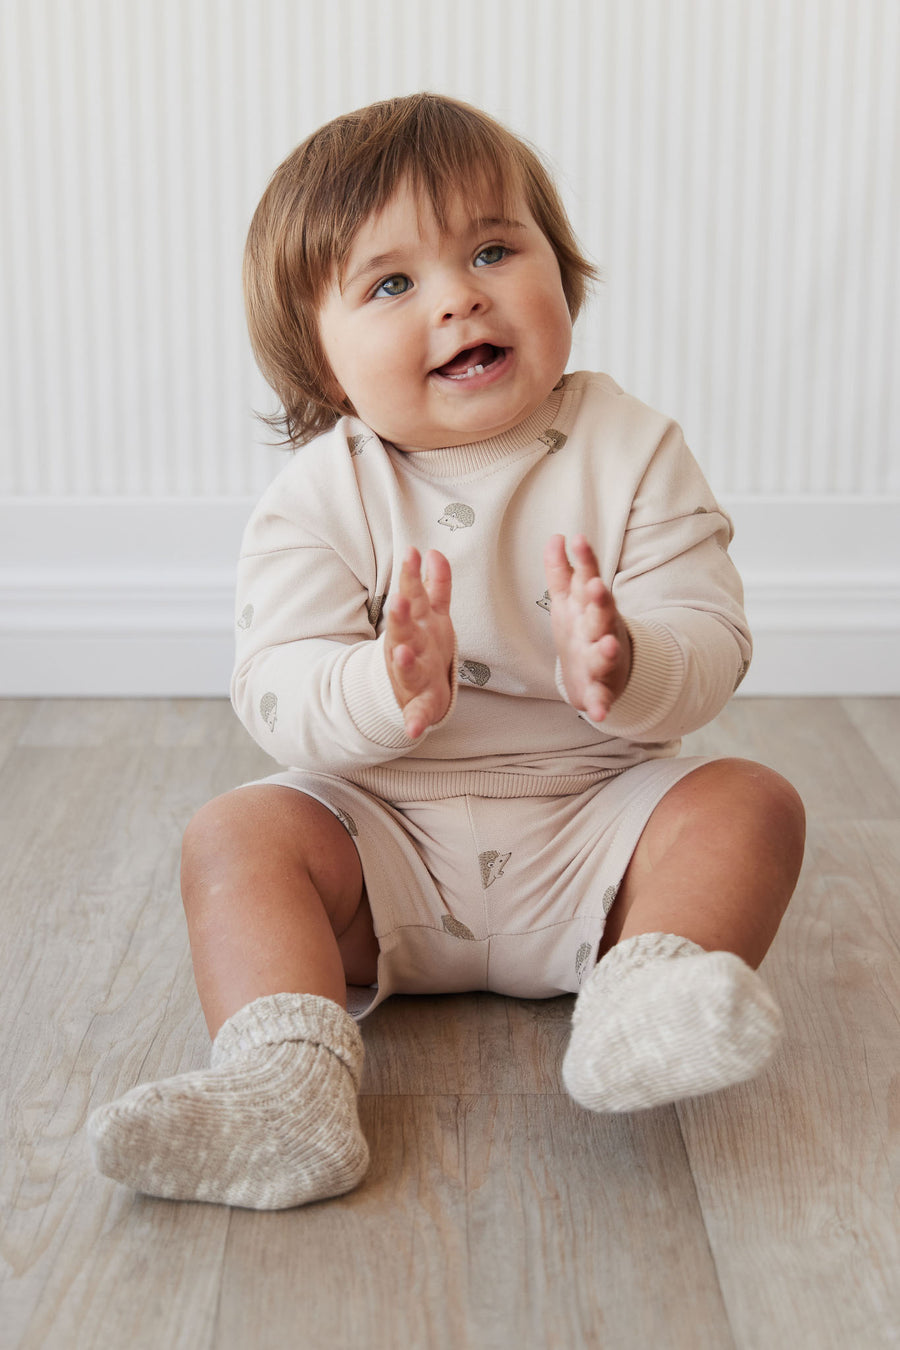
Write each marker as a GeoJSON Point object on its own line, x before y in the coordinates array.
{"type": "Point", "coordinates": [681, 598]}
{"type": "Point", "coordinates": [310, 682]}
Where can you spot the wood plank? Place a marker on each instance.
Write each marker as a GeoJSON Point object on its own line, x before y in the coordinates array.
{"type": "Point", "coordinates": [466, 1044]}
{"type": "Point", "coordinates": [96, 994]}
{"type": "Point", "coordinates": [815, 745]}
{"type": "Point", "coordinates": [144, 722]}
{"type": "Point", "coordinates": [878, 722]}
{"type": "Point", "coordinates": [497, 1213]}
{"type": "Point", "coordinates": [13, 714]}
{"type": "Point", "coordinates": [491, 1221]}
{"type": "Point", "coordinates": [798, 1173]}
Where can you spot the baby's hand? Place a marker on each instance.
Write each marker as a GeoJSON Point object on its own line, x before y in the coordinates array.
{"type": "Point", "coordinates": [592, 642]}
{"type": "Point", "coordinates": [419, 641]}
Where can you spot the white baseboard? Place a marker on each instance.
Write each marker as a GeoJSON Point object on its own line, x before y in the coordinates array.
{"type": "Point", "coordinates": [112, 598]}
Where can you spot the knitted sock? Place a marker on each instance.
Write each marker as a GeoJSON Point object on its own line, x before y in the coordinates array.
{"type": "Point", "coordinates": [273, 1123]}
{"type": "Point", "coordinates": [660, 1019]}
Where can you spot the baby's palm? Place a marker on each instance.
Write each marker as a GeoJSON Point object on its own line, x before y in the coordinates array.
{"type": "Point", "coordinates": [419, 641]}
{"type": "Point", "coordinates": [592, 641]}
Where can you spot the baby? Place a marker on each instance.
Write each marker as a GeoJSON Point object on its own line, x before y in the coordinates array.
{"type": "Point", "coordinates": [476, 613]}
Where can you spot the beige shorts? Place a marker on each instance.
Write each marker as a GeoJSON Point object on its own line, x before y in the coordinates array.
{"type": "Point", "coordinates": [502, 894]}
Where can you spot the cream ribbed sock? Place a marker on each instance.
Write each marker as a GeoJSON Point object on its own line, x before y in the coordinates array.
{"type": "Point", "coordinates": [660, 1019]}
{"type": "Point", "coordinates": [273, 1123]}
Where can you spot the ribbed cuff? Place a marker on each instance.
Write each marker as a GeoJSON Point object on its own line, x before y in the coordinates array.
{"type": "Point", "coordinates": [653, 686]}
{"type": "Point", "coordinates": [277, 1018]}
{"type": "Point", "coordinates": [372, 703]}
{"type": "Point", "coordinates": [642, 950]}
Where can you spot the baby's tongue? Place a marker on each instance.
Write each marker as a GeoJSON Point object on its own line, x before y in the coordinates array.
{"type": "Point", "coordinates": [481, 355]}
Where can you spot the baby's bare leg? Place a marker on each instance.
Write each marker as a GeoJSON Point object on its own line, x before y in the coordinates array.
{"type": "Point", "coordinates": [717, 862]}
{"type": "Point", "coordinates": [274, 899]}
{"type": "Point", "coordinates": [674, 1007]}
{"type": "Point", "coordinates": [275, 905]}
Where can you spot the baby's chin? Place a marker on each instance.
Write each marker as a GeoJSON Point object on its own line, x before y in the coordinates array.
{"type": "Point", "coordinates": [472, 431]}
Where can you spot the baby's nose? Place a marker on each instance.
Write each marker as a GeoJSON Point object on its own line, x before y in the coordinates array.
{"type": "Point", "coordinates": [461, 299]}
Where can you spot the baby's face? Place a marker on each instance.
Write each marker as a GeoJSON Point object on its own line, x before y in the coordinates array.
{"type": "Point", "coordinates": [442, 339]}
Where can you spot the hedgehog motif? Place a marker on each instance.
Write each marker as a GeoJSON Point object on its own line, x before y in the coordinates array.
{"type": "Point", "coordinates": [609, 896]}
{"type": "Point", "coordinates": [246, 617]}
{"type": "Point", "coordinates": [553, 439]}
{"type": "Point", "coordinates": [268, 707]}
{"type": "Point", "coordinates": [582, 956]}
{"type": "Point", "coordinates": [375, 608]}
{"type": "Point", "coordinates": [544, 601]}
{"type": "Point", "coordinates": [473, 672]}
{"type": "Point", "coordinates": [357, 444]}
{"type": "Point", "coordinates": [457, 516]}
{"type": "Point", "coordinates": [492, 866]}
{"type": "Point", "coordinates": [347, 821]}
{"type": "Point", "coordinates": [457, 929]}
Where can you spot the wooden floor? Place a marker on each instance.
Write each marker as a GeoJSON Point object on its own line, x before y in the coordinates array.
{"type": "Point", "coordinates": [497, 1213]}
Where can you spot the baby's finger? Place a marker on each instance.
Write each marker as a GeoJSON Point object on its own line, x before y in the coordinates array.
{"type": "Point", "coordinates": [586, 566]}
{"type": "Point", "coordinates": [420, 713]}
{"type": "Point", "coordinates": [438, 581]}
{"type": "Point", "coordinates": [398, 614]}
{"type": "Point", "coordinates": [593, 626]}
{"type": "Point", "coordinates": [415, 719]}
{"type": "Point", "coordinates": [599, 600]}
{"type": "Point", "coordinates": [411, 585]}
{"type": "Point", "coordinates": [597, 702]}
{"type": "Point", "coordinates": [410, 573]}
{"type": "Point", "coordinates": [605, 655]}
{"type": "Point", "coordinates": [557, 568]}
{"type": "Point", "coordinates": [400, 625]}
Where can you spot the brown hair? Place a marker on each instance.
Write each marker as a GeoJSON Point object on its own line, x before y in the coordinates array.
{"type": "Point", "coordinates": [319, 197]}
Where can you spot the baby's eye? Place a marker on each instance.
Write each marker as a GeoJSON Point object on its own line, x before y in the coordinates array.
{"type": "Point", "coordinates": [493, 253]}
{"type": "Point", "coordinates": [395, 285]}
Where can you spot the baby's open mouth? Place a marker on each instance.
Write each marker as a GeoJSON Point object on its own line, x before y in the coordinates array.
{"type": "Point", "coordinates": [472, 361]}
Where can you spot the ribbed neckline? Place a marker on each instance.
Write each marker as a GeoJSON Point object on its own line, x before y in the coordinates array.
{"type": "Point", "coordinates": [455, 460]}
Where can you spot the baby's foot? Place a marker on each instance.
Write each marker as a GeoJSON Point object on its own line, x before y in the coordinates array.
{"type": "Point", "coordinates": [272, 1124]}
{"type": "Point", "coordinates": [660, 1019]}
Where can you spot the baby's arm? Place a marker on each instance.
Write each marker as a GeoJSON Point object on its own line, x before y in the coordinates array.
{"type": "Point", "coordinates": [592, 642]}
{"type": "Point", "coordinates": [312, 682]}
{"type": "Point", "coordinates": [419, 641]}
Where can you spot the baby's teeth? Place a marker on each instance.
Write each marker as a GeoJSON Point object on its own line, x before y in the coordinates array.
{"type": "Point", "coordinates": [473, 370]}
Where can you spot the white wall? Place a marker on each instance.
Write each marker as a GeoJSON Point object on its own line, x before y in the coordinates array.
{"type": "Point", "coordinates": [732, 165]}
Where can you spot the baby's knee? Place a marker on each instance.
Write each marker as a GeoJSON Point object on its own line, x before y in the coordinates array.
{"type": "Point", "coordinates": [778, 801]}
{"type": "Point", "coordinates": [262, 834]}
{"type": "Point", "coordinates": [210, 836]}
{"type": "Point", "coordinates": [773, 805]}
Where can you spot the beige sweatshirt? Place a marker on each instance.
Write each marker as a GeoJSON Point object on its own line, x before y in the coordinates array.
{"type": "Point", "coordinates": [318, 559]}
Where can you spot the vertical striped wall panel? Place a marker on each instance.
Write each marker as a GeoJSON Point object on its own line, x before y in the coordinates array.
{"type": "Point", "coordinates": [733, 166]}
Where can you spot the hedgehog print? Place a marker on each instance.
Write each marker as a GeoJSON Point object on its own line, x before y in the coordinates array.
{"type": "Point", "coordinates": [553, 439]}
{"type": "Point", "coordinates": [457, 929]}
{"type": "Point", "coordinates": [493, 865]}
{"type": "Point", "coordinates": [268, 709]}
{"type": "Point", "coordinates": [246, 617]}
{"type": "Point", "coordinates": [474, 672]}
{"type": "Point", "coordinates": [347, 821]}
{"type": "Point", "coordinates": [457, 516]}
